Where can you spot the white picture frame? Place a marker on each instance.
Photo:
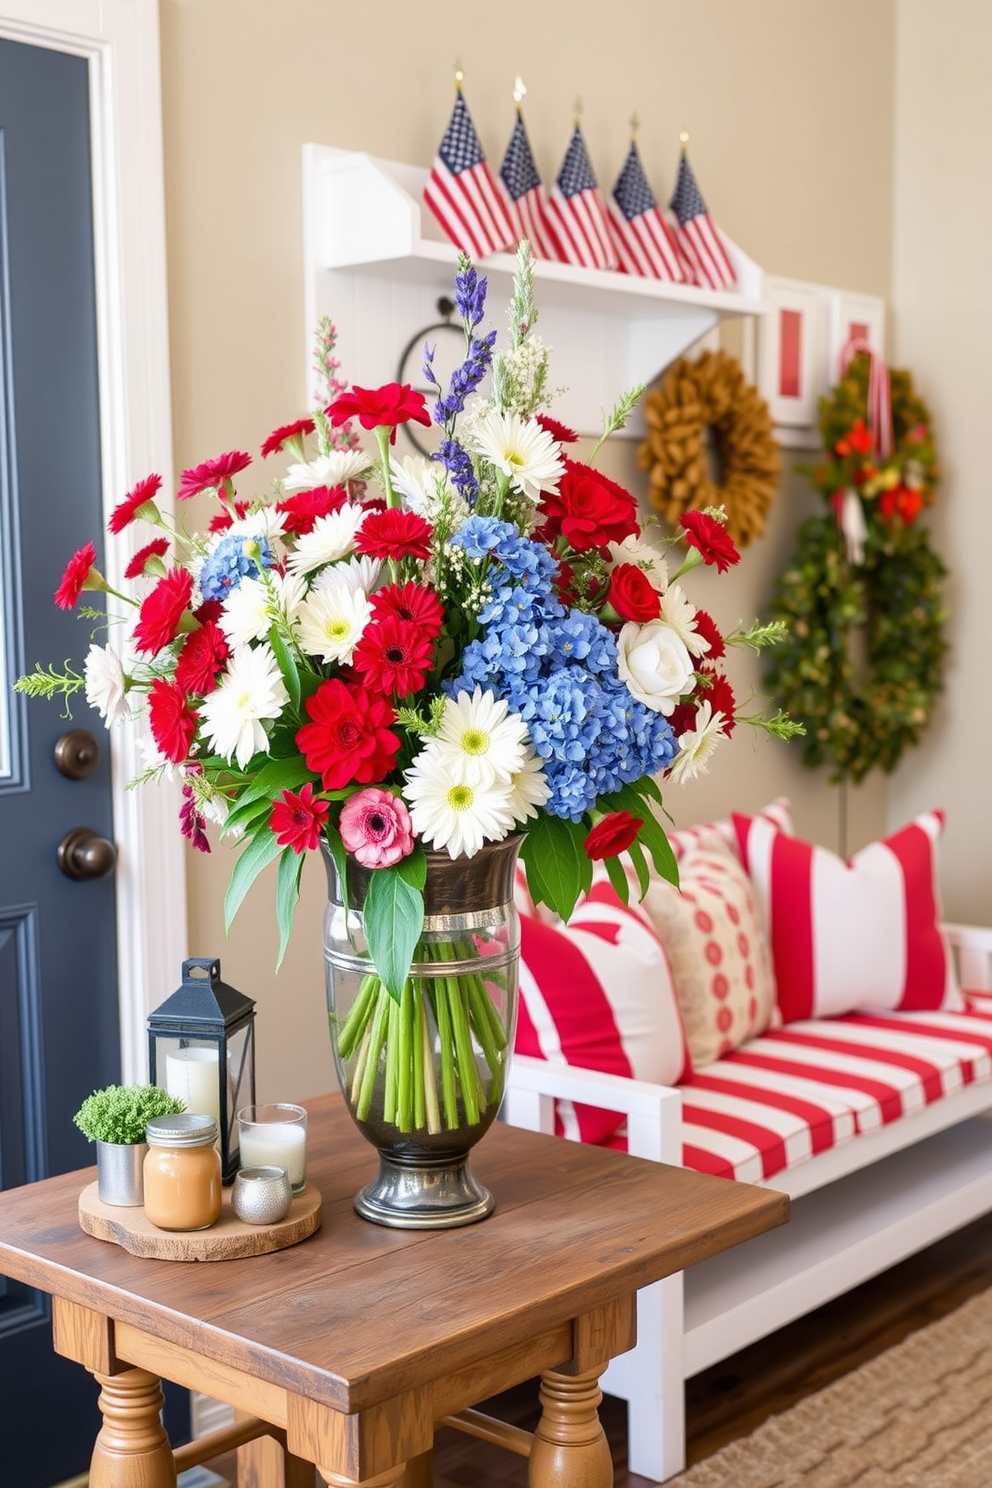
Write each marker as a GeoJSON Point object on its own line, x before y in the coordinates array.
{"type": "Point", "coordinates": [790, 352]}
{"type": "Point", "coordinates": [860, 314]}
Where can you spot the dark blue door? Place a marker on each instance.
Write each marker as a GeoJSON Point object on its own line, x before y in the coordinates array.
{"type": "Point", "coordinates": [58, 967]}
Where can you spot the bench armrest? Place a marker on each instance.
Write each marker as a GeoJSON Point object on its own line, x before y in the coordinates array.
{"type": "Point", "coordinates": [972, 946]}
{"type": "Point", "coordinates": [653, 1112]}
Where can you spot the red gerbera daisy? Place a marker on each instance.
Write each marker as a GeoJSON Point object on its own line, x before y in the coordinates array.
{"type": "Point", "coordinates": [394, 534]}
{"type": "Point", "coordinates": [711, 538]}
{"type": "Point", "coordinates": [384, 407]}
{"type": "Point", "coordinates": [393, 656]}
{"type": "Point", "coordinates": [219, 471]}
{"type": "Point", "coordinates": [296, 820]}
{"type": "Point", "coordinates": [707, 627]}
{"type": "Point", "coordinates": [157, 548]}
{"type": "Point", "coordinates": [143, 494]}
{"type": "Point", "coordinates": [162, 611]}
{"type": "Point", "coordinates": [203, 655]}
{"type": "Point", "coordinates": [171, 719]}
{"type": "Point", "coordinates": [297, 432]}
{"type": "Point", "coordinates": [349, 739]}
{"type": "Point", "coordinates": [410, 602]}
{"type": "Point", "coordinates": [303, 509]}
{"type": "Point", "coordinates": [77, 571]}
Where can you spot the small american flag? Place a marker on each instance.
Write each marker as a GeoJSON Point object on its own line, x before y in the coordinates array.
{"type": "Point", "coordinates": [699, 238]}
{"type": "Point", "coordinates": [576, 214]}
{"type": "Point", "coordinates": [641, 236]}
{"type": "Point", "coordinates": [461, 192]}
{"type": "Point", "coordinates": [526, 203]}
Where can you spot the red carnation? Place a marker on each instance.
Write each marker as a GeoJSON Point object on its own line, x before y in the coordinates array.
{"type": "Point", "coordinates": [632, 594]}
{"type": "Point", "coordinates": [210, 609]}
{"type": "Point", "coordinates": [707, 627]}
{"type": "Point", "coordinates": [77, 571]}
{"type": "Point", "coordinates": [711, 538]}
{"type": "Point", "coordinates": [144, 494]}
{"type": "Point", "coordinates": [393, 657]}
{"type": "Point", "coordinates": [588, 510]}
{"type": "Point", "coordinates": [303, 509]}
{"type": "Point", "coordinates": [613, 834]}
{"type": "Point", "coordinates": [171, 720]}
{"type": "Point", "coordinates": [384, 407]}
{"type": "Point", "coordinates": [561, 432]}
{"type": "Point", "coordinates": [720, 696]}
{"type": "Point", "coordinates": [219, 471]}
{"type": "Point", "coordinates": [162, 611]}
{"type": "Point", "coordinates": [296, 820]}
{"type": "Point", "coordinates": [683, 717]}
{"type": "Point", "coordinates": [157, 548]}
{"type": "Point", "coordinates": [203, 655]}
{"type": "Point", "coordinates": [298, 431]}
{"type": "Point", "coordinates": [349, 739]}
{"type": "Point", "coordinates": [394, 534]}
{"type": "Point", "coordinates": [410, 602]}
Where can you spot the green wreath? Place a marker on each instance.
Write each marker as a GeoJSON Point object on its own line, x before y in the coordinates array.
{"type": "Point", "coordinates": [863, 704]}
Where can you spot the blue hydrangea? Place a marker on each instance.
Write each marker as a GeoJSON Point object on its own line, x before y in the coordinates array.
{"type": "Point", "coordinates": [230, 562]}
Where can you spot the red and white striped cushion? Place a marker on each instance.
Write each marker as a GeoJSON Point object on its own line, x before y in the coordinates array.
{"type": "Point", "coordinates": [861, 934]}
{"type": "Point", "coordinates": [686, 839]}
{"type": "Point", "coordinates": [598, 993]}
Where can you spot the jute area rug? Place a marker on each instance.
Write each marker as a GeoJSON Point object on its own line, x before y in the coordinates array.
{"type": "Point", "coordinates": [917, 1416]}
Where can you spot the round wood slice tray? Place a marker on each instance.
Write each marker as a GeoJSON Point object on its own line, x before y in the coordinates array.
{"type": "Point", "coordinates": [229, 1239]}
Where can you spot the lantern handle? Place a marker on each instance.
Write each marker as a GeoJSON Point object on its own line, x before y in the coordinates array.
{"type": "Point", "coordinates": [209, 964]}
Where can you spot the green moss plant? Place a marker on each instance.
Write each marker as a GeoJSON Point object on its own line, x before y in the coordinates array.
{"type": "Point", "coordinates": [120, 1113]}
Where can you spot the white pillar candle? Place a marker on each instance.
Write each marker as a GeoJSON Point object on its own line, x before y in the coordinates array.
{"type": "Point", "coordinates": [191, 1076]}
{"type": "Point", "coordinates": [276, 1144]}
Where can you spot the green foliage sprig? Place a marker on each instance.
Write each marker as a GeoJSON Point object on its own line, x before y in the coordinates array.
{"type": "Point", "coordinates": [120, 1113]}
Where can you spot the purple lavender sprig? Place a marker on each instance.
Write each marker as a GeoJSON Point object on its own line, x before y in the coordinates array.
{"type": "Point", "coordinates": [470, 294]}
{"type": "Point", "coordinates": [458, 464]}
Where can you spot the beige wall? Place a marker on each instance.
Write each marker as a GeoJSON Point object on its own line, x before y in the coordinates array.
{"type": "Point", "coordinates": [942, 308]}
{"type": "Point", "coordinates": [789, 106]}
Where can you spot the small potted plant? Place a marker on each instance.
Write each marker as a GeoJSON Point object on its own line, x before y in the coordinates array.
{"type": "Point", "coordinates": [115, 1119]}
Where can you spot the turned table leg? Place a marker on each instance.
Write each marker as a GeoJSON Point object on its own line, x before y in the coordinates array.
{"type": "Point", "coordinates": [132, 1449]}
{"type": "Point", "coordinates": [388, 1479]}
{"type": "Point", "coordinates": [570, 1448]}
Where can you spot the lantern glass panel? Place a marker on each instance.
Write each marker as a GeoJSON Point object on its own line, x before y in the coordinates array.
{"type": "Point", "coordinates": [240, 1081]}
{"type": "Point", "coordinates": [188, 1067]}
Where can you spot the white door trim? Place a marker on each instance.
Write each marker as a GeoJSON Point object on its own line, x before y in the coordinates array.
{"type": "Point", "coordinates": [120, 39]}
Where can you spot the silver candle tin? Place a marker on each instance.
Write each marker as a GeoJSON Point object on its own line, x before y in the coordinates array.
{"type": "Point", "coordinates": [262, 1195]}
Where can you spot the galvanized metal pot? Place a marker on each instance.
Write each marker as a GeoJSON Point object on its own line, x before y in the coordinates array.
{"type": "Point", "coordinates": [120, 1173]}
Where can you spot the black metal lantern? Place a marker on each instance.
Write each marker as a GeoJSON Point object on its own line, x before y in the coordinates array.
{"type": "Point", "coordinates": [201, 1048]}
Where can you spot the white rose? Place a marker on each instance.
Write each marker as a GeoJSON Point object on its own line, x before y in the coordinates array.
{"type": "Point", "coordinates": [655, 664]}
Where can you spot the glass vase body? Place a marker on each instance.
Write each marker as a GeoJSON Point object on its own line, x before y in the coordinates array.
{"type": "Point", "coordinates": [423, 1076]}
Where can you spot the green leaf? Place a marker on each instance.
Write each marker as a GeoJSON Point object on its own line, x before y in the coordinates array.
{"type": "Point", "coordinates": [273, 778]}
{"type": "Point", "coordinates": [618, 879]}
{"type": "Point", "coordinates": [651, 833]}
{"type": "Point", "coordinates": [636, 854]}
{"type": "Point", "coordinates": [287, 894]}
{"type": "Point", "coordinates": [246, 814]}
{"type": "Point", "coordinates": [259, 853]}
{"type": "Point", "coordinates": [287, 665]}
{"type": "Point", "coordinates": [555, 848]}
{"type": "Point", "coordinates": [413, 869]}
{"type": "Point", "coordinates": [394, 920]}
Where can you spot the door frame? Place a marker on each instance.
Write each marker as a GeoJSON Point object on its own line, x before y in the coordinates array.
{"type": "Point", "coordinates": [120, 41]}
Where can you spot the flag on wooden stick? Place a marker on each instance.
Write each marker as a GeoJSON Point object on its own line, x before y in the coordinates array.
{"type": "Point", "coordinates": [642, 238]}
{"type": "Point", "coordinates": [576, 214]}
{"type": "Point", "coordinates": [526, 202]}
{"type": "Point", "coordinates": [461, 192]}
{"type": "Point", "coordinates": [698, 236]}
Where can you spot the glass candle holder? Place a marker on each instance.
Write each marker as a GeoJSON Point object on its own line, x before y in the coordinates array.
{"type": "Point", "coordinates": [275, 1136]}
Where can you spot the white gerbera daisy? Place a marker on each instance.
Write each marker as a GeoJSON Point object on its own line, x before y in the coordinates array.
{"type": "Point", "coordinates": [357, 573]}
{"type": "Point", "coordinates": [266, 522]}
{"type": "Point", "coordinates": [521, 449]}
{"type": "Point", "coordinates": [680, 613]}
{"type": "Point", "coordinates": [480, 740]}
{"type": "Point", "coordinates": [530, 788]}
{"type": "Point", "coordinates": [333, 469]}
{"type": "Point", "coordinates": [642, 555]}
{"type": "Point", "coordinates": [248, 609]}
{"type": "Point", "coordinates": [697, 744]}
{"type": "Point", "coordinates": [106, 684]}
{"type": "Point", "coordinates": [248, 693]}
{"type": "Point", "coordinates": [332, 537]}
{"type": "Point", "coordinates": [330, 622]}
{"type": "Point", "coordinates": [448, 812]}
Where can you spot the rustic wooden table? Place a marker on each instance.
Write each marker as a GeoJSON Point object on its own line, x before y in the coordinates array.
{"type": "Point", "coordinates": [348, 1348]}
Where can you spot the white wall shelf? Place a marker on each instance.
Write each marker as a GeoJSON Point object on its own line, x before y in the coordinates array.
{"type": "Point", "coordinates": [377, 264]}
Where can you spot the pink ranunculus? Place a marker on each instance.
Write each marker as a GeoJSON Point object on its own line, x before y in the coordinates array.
{"type": "Point", "coordinates": [375, 826]}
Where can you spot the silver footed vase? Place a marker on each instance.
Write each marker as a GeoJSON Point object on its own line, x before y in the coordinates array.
{"type": "Point", "coordinates": [423, 1075]}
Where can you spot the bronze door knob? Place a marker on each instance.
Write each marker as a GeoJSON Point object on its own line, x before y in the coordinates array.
{"type": "Point", "coordinates": [77, 754]}
{"type": "Point", "coordinates": [82, 853]}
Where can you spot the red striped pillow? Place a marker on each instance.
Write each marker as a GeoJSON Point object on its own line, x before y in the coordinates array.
{"type": "Point", "coordinates": [597, 993]}
{"type": "Point", "coordinates": [861, 934]}
{"type": "Point", "coordinates": [686, 839]}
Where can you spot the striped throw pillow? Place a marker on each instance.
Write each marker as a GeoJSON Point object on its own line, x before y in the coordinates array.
{"type": "Point", "coordinates": [686, 839]}
{"type": "Point", "coordinates": [861, 934]}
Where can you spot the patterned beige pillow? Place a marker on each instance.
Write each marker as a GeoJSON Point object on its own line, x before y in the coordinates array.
{"type": "Point", "coordinates": [717, 950]}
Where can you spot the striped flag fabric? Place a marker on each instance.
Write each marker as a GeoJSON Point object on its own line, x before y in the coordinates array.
{"type": "Point", "coordinates": [698, 237]}
{"type": "Point", "coordinates": [641, 236]}
{"type": "Point", "coordinates": [576, 214]}
{"type": "Point", "coordinates": [524, 196]}
{"type": "Point", "coordinates": [461, 192]}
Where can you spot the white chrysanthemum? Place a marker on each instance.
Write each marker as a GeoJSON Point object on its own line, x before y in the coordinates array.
{"type": "Point", "coordinates": [448, 812]}
{"type": "Point", "coordinates": [106, 684]}
{"type": "Point", "coordinates": [330, 622]}
{"type": "Point", "coordinates": [250, 692]}
{"type": "Point", "coordinates": [248, 609]}
{"type": "Point", "coordinates": [426, 489]}
{"type": "Point", "coordinates": [697, 744]}
{"type": "Point", "coordinates": [654, 663]}
{"type": "Point", "coordinates": [265, 522]}
{"type": "Point", "coordinates": [153, 759]}
{"type": "Point", "coordinates": [680, 613]}
{"type": "Point", "coordinates": [332, 537]}
{"type": "Point", "coordinates": [530, 788]}
{"type": "Point", "coordinates": [480, 739]}
{"type": "Point", "coordinates": [332, 469]}
{"type": "Point", "coordinates": [642, 555]}
{"type": "Point", "coordinates": [357, 573]}
{"type": "Point", "coordinates": [521, 449]}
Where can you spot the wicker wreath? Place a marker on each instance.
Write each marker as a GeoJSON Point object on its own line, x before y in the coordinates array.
{"type": "Point", "coordinates": [710, 393]}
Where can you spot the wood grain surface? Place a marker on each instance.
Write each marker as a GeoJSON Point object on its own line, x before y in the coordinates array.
{"type": "Point", "coordinates": [228, 1240]}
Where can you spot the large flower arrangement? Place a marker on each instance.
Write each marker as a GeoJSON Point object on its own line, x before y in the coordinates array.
{"type": "Point", "coordinates": [381, 654]}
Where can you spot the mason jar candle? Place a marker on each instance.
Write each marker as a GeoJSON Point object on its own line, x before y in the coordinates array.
{"type": "Point", "coordinates": [182, 1172]}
